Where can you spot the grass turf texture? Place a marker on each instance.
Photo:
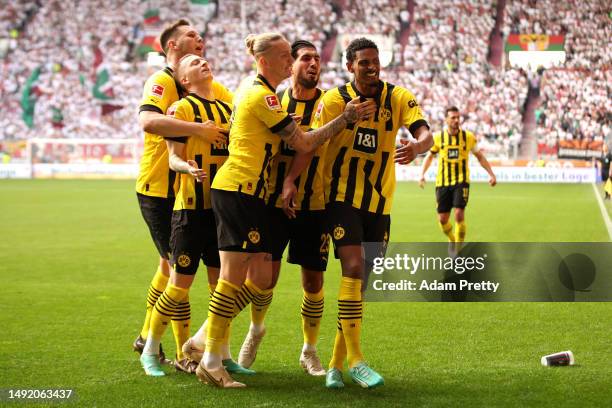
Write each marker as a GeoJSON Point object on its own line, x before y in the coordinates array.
{"type": "Point", "coordinates": [76, 259]}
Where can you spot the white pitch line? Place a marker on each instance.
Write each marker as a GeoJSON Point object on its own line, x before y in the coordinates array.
{"type": "Point", "coordinates": [604, 212]}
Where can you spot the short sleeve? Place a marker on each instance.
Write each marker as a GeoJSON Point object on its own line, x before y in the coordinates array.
{"type": "Point", "coordinates": [435, 148]}
{"type": "Point", "coordinates": [472, 142]}
{"type": "Point", "coordinates": [412, 116]}
{"type": "Point", "coordinates": [266, 106]}
{"type": "Point", "coordinates": [181, 111]}
{"type": "Point", "coordinates": [328, 109]}
{"type": "Point", "coordinates": [156, 96]}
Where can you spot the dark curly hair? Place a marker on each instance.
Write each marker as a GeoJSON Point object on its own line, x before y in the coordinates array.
{"type": "Point", "coordinates": [358, 44]}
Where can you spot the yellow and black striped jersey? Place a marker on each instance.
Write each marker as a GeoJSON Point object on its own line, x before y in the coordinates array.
{"type": "Point", "coordinates": [359, 163]}
{"type": "Point", "coordinates": [160, 91]}
{"type": "Point", "coordinates": [192, 195]}
{"type": "Point", "coordinates": [256, 119]}
{"type": "Point", "coordinates": [454, 154]}
{"type": "Point", "coordinates": [310, 182]}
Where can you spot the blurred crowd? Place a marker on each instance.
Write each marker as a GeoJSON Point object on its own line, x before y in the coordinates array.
{"type": "Point", "coordinates": [576, 110]}
{"type": "Point", "coordinates": [73, 67]}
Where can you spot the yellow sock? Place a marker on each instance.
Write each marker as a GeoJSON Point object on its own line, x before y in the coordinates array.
{"type": "Point", "coordinates": [156, 288]}
{"type": "Point", "coordinates": [166, 307]}
{"type": "Point", "coordinates": [181, 324]}
{"type": "Point", "coordinates": [447, 229]}
{"type": "Point", "coordinates": [245, 295]}
{"type": "Point", "coordinates": [339, 353]}
{"type": "Point", "coordinates": [211, 289]}
{"type": "Point", "coordinates": [312, 312]}
{"type": "Point", "coordinates": [350, 310]}
{"type": "Point", "coordinates": [460, 230]}
{"type": "Point", "coordinates": [220, 312]}
{"type": "Point", "coordinates": [259, 304]}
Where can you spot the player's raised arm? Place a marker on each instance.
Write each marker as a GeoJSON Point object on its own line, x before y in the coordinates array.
{"type": "Point", "coordinates": [160, 124]}
{"type": "Point", "coordinates": [309, 141]}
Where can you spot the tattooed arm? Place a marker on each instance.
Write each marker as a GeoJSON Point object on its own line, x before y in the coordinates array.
{"type": "Point", "coordinates": [309, 141]}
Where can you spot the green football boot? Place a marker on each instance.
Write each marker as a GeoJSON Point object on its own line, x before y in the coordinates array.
{"type": "Point", "coordinates": [234, 368]}
{"type": "Point", "coordinates": [150, 363]}
{"type": "Point", "coordinates": [333, 378]}
{"type": "Point", "coordinates": [365, 376]}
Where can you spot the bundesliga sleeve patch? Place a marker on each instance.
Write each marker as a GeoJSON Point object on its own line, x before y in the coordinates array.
{"type": "Point", "coordinates": [319, 110]}
{"type": "Point", "coordinates": [157, 90]}
{"type": "Point", "coordinates": [272, 102]}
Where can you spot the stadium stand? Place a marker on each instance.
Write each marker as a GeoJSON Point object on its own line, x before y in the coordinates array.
{"type": "Point", "coordinates": [58, 80]}
{"type": "Point", "coordinates": [575, 100]}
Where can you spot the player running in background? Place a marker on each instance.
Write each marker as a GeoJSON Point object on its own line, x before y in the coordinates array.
{"type": "Point", "coordinates": [155, 183]}
{"type": "Point", "coordinates": [238, 194]}
{"type": "Point", "coordinates": [359, 185]}
{"type": "Point", "coordinates": [453, 180]}
{"type": "Point", "coordinates": [305, 228]}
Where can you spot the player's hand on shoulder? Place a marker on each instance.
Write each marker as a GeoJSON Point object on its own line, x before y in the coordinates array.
{"type": "Point", "coordinates": [288, 196]}
{"type": "Point", "coordinates": [195, 171]}
{"type": "Point", "coordinates": [406, 153]}
{"type": "Point", "coordinates": [356, 110]}
{"type": "Point", "coordinates": [212, 133]}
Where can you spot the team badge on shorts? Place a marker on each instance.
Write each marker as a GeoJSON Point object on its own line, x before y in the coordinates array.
{"type": "Point", "coordinates": [254, 237]}
{"type": "Point", "coordinates": [338, 233]}
{"type": "Point", "coordinates": [184, 261]}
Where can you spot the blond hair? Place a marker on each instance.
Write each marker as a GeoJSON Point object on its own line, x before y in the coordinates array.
{"type": "Point", "coordinates": [257, 44]}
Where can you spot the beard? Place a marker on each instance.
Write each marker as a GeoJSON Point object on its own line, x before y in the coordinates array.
{"type": "Point", "coordinates": [308, 83]}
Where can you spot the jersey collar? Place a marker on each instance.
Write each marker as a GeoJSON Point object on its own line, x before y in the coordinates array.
{"type": "Point", "coordinates": [199, 98]}
{"type": "Point", "coordinates": [381, 86]}
{"type": "Point", "coordinates": [317, 96]}
{"type": "Point", "coordinates": [265, 81]}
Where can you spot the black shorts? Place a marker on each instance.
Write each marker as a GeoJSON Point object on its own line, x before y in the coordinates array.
{"type": "Point", "coordinates": [157, 213]}
{"type": "Point", "coordinates": [242, 222]}
{"type": "Point", "coordinates": [194, 237]}
{"type": "Point", "coordinates": [452, 197]}
{"type": "Point", "coordinates": [306, 235]}
{"type": "Point", "coordinates": [352, 226]}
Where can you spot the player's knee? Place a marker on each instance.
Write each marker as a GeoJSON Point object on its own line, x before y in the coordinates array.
{"type": "Point", "coordinates": [312, 281]}
{"type": "Point", "coordinates": [181, 280]}
{"type": "Point", "coordinates": [443, 218]}
{"type": "Point", "coordinates": [273, 279]}
{"type": "Point", "coordinates": [353, 269]}
{"type": "Point", "coordinates": [459, 215]}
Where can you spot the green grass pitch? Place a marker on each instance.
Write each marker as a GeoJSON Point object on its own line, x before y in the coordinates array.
{"type": "Point", "coordinates": [76, 259]}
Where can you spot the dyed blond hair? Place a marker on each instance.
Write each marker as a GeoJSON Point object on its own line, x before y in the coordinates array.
{"type": "Point", "coordinates": [257, 44]}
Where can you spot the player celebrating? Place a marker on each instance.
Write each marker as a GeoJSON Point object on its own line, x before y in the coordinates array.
{"type": "Point", "coordinates": [453, 181]}
{"type": "Point", "coordinates": [305, 230]}
{"type": "Point", "coordinates": [193, 225]}
{"type": "Point", "coordinates": [155, 183]}
{"type": "Point", "coordinates": [238, 191]}
{"type": "Point", "coordinates": [359, 185]}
